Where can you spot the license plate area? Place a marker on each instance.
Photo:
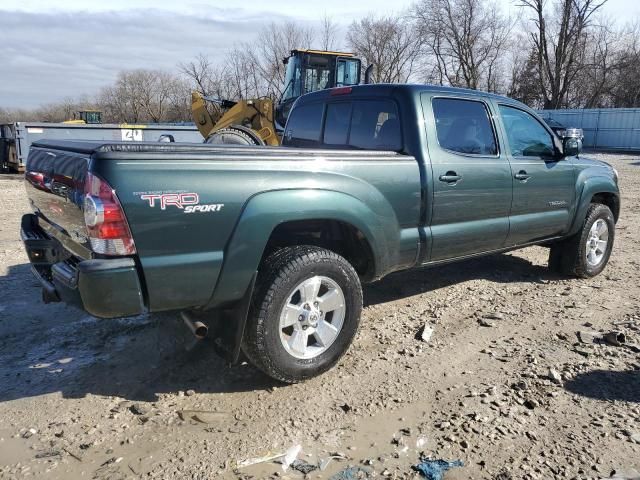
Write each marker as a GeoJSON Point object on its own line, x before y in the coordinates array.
{"type": "Point", "coordinates": [42, 250]}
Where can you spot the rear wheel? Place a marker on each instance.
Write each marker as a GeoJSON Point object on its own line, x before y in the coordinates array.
{"type": "Point", "coordinates": [586, 253]}
{"type": "Point", "coordinates": [305, 313]}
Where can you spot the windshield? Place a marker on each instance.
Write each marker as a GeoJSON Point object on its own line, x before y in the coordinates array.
{"type": "Point", "coordinates": [291, 79]}
{"type": "Point", "coordinates": [317, 73]}
{"type": "Point", "coordinates": [92, 117]}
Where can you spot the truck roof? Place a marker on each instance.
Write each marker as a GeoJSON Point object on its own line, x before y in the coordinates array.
{"type": "Point", "coordinates": [389, 89]}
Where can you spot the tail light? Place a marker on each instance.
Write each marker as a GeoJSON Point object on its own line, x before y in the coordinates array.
{"type": "Point", "coordinates": [106, 223]}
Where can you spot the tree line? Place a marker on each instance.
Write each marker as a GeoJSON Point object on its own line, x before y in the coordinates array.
{"type": "Point", "coordinates": [553, 54]}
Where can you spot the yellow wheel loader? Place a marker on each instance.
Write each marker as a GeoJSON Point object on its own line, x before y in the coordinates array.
{"type": "Point", "coordinates": [86, 117]}
{"type": "Point", "coordinates": [258, 121]}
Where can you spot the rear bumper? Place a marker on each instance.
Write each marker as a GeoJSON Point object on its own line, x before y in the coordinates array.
{"type": "Point", "coordinates": [105, 288]}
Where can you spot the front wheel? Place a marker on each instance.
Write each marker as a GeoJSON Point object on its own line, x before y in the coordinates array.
{"type": "Point", "coordinates": [586, 253]}
{"type": "Point", "coordinates": [234, 135]}
{"type": "Point", "coordinates": [304, 315]}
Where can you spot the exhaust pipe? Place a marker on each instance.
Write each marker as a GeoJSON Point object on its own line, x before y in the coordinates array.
{"type": "Point", "coordinates": [367, 74]}
{"type": "Point", "coordinates": [615, 338]}
{"type": "Point", "coordinates": [198, 328]}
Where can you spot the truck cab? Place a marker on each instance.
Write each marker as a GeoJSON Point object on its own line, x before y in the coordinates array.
{"type": "Point", "coordinates": [494, 175]}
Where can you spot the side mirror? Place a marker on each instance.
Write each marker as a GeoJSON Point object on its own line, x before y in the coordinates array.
{"type": "Point", "coordinates": [572, 142]}
{"type": "Point", "coordinates": [571, 146]}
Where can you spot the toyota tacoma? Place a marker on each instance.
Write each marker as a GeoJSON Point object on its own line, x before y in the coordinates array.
{"type": "Point", "coordinates": [270, 245]}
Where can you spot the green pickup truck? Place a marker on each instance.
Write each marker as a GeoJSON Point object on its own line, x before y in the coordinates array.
{"type": "Point", "coordinates": [269, 246]}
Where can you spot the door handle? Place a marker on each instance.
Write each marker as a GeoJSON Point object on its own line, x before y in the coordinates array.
{"type": "Point", "coordinates": [522, 176]}
{"type": "Point", "coordinates": [450, 177]}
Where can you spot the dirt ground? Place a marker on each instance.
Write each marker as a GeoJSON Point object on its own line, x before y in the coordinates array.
{"type": "Point", "coordinates": [134, 398]}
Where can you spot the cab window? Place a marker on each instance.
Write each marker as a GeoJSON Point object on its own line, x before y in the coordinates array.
{"type": "Point", "coordinates": [363, 124]}
{"type": "Point", "coordinates": [348, 72]}
{"type": "Point", "coordinates": [375, 125]}
{"type": "Point", "coordinates": [336, 127]}
{"type": "Point", "coordinates": [526, 135]}
{"type": "Point", "coordinates": [463, 126]}
{"type": "Point", "coordinates": [303, 126]}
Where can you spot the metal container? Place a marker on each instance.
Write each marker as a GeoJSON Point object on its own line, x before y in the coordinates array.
{"type": "Point", "coordinates": [21, 135]}
{"type": "Point", "coordinates": [604, 128]}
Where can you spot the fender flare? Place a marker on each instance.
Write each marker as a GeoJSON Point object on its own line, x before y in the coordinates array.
{"type": "Point", "coordinates": [590, 187]}
{"type": "Point", "coordinates": [265, 211]}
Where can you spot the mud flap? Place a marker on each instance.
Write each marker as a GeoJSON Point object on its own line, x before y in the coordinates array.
{"type": "Point", "coordinates": [231, 324]}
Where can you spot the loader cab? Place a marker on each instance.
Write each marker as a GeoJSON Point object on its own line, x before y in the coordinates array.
{"type": "Point", "coordinates": [86, 117]}
{"type": "Point", "coordinates": [312, 70]}
{"type": "Point", "coordinates": [90, 116]}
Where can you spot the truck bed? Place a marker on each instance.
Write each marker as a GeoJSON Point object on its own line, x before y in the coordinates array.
{"type": "Point", "coordinates": [243, 194]}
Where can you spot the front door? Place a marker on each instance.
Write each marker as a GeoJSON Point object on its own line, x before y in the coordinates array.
{"type": "Point", "coordinates": [543, 184]}
{"type": "Point", "coordinates": [471, 178]}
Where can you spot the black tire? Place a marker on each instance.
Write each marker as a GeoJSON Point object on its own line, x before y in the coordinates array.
{"type": "Point", "coordinates": [279, 274]}
{"type": "Point", "coordinates": [234, 135]}
{"type": "Point", "coordinates": [569, 257]}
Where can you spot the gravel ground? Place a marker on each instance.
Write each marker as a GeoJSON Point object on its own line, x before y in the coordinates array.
{"type": "Point", "coordinates": [504, 384]}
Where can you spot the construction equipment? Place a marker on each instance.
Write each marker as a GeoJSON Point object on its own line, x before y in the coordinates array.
{"type": "Point", "coordinates": [245, 122]}
{"type": "Point", "coordinates": [257, 121]}
{"type": "Point", "coordinates": [86, 117]}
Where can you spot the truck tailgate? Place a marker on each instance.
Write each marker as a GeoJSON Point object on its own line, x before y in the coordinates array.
{"type": "Point", "coordinates": [55, 187]}
{"type": "Point", "coordinates": [57, 240]}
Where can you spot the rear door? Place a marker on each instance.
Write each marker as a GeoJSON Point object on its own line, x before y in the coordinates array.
{"type": "Point", "coordinates": [543, 184]}
{"type": "Point", "coordinates": [471, 177]}
{"type": "Point", "coordinates": [374, 124]}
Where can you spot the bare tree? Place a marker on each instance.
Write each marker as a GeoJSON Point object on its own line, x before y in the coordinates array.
{"type": "Point", "coordinates": [275, 42]}
{"type": "Point", "coordinates": [120, 102]}
{"type": "Point", "coordinates": [210, 79]}
{"type": "Point", "coordinates": [388, 43]}
{"type": "Point", "coordinates": [600, 60]}
{"type": "Point", "coordinates": [523, 79]}
{"type": "Point", "coordinates": [625, 89]}
{"type": "Point", "coordinates": [160, 94]}
{"type": "Point", "coordinates": [329, 32]}
{"type": "Point", "coordinates": [243, 78]}
{"type": "Point", "coordinates": [200, 72]}
{"type": "Point", "coordinates": [559, 42]}
{"type": "Point", "coordinates": [9, 115]}
{"type": "Point", "coordinates": [145, 96]}
{"type": "Point", "coordinates": [465, 40]}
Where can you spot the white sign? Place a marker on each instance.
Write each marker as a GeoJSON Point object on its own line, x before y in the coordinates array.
{"type": "Point", "coordinates": [34, 130]}
{"type": "Point", "coordinates": [131, 134]}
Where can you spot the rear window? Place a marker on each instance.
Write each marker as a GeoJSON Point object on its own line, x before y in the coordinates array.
{"type": "Point", "coordinates": [463, 126]}
{"type": "Point", "coordinates": [375, 125]}
{"type": "Point", "coordinates": [336, 126]}
{"type": "Point", "coordinates": [361, 124]}
{"type": "Point", "coordinates": [303, 125]}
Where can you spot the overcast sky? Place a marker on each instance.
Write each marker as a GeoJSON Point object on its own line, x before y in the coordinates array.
{"type": "Point", "coordinates": [50, 50]}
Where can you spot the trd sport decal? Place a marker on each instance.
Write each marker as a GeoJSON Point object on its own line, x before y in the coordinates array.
{"type": "Point", "coordinates": [187, 201]}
